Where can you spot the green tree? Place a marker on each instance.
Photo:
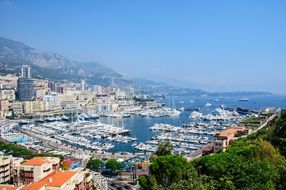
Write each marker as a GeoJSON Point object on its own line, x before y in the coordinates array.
{"type": "Point", "coordinates": [167, 171]}
{"type": "Point", "coordinates": [94, 164]}
{"type": "Point", "coordinates": [164, 148]}
{"type": "Point", "coordinates": [113, 164]}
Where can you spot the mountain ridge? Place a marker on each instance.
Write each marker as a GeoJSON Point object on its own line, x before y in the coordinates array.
{"type": "Point", "coordinates": [53, 66]}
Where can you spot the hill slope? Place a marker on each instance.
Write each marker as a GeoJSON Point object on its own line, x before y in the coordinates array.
{"type": "Point", "coordinates": [53, 66]}
{"type": "Point", "coordinates": [255, 163]}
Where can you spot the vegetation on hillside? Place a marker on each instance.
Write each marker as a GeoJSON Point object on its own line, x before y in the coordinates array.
{"type": "Point", "coordinates": [19, 151]}
{"type": "Point", "coordinates": [254, 163]}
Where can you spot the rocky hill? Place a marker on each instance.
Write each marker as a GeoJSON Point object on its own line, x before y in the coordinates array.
{"type": "Point", "coordinates": [53, 66]}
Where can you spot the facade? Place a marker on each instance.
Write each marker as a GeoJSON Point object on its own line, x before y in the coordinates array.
{"type": "Point", "coordinates": [55, 87]}
{"type": "Point", "coordinates": [17, 108]}
{"type": "Point", "coordinates": [103, 108]}
{"type": "Point", "coordinates": [38, 106]}
{"type": "Point", "coordinates": [26, 90]}
{"type": "Point", "coordinates": [100, 182]}
{"type": "Point", "coordinates": [40, 92]}
{"type": "Point", "coordinates": [28, 107]}
{"type": "Point", "coordinates": [6, 163]}
{"type": "Point", "coordinates": [7, 93]}
{"type": "Point", "coordinates": [4, 106]}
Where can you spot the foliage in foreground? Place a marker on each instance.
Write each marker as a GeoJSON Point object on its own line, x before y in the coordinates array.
{"type": "Point", "coordinates": [252, 163]}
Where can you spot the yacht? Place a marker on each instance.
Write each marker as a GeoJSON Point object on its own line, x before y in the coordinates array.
{"type": "Point", "coordinates": [208, 104]}
{"type": "Point", "coordinates": [24, 122]}
{"type": "Point", "coordinates": [243, 100]}
{"type": "Point", "coordinates": [65, 118]}
{"type": "Point", "coordinates": [84, 116]}
{"type": "Point", "coordinates": [40, 120]}
{"type": "Point", "coordinates": [93, 116]}
{"type": "Point", "coordinates": [50, 119]}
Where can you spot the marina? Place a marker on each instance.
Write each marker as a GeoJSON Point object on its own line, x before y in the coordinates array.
{"type": "Point", "coordinates": [139, 130]}
{"type": "Point", "coordinates": [94, 136]}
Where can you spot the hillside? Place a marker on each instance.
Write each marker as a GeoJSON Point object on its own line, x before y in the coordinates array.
{"type": "Point", "coordinates": [254, 163]}
{"type": "Point", "coordinates": [53, 66]}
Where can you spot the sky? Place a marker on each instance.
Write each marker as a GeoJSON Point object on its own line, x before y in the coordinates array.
{"type": "Point", "coordinates": [219, 45]}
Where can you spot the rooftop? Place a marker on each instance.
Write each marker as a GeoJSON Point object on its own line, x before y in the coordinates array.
{"type": "Point", "coordinates": [36, 161]}
{"type": "Point", "coordinates": [230, 132]}
{"type": "Point", "coordinates": [7, 187]}
{"type": "Point", "coordinates": [55, 179]}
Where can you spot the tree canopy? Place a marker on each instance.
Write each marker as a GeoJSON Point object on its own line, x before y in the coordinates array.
{"type": "Point", "coordinates": [94, 164]}
{"type": "Point", "coordinates": [164, 148]}
{"type": "Point", "coordinates": [113, 164]}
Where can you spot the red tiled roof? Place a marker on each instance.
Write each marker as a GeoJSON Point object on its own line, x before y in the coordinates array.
{"type": "Point", "coordinates": [55, 179]}
{"type": "Point", "coordinates": [230, 132]}
{"type": "Point", "coordinates": [36, 161]}
{"type": "Point", "coordinates": [7, 187]}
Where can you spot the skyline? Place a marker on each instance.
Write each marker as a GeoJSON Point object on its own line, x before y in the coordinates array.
{"type": "Point", "coordinates": [216, 46]}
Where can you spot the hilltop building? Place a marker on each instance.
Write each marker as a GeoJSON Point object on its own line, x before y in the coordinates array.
{"type": "Point", "coordinates": [224, 138]}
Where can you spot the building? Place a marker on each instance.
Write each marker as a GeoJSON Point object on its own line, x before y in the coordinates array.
{"type": "Point", "coordinates": [103, 108]}
{"type": "Point", "coordinates": [34, 170]}
{"type": "Point", "coordinates": [40, 92]}
{"type": "Point", "coordinates": [56, 87]}
{"type": "Point", "coordinates": [82, 85]}
{"type": "Point", "coordinates": [38, 106]}
{"type": "Point", "coordinates": [100, 181]}
{"type": "Point", "coordinates": [52, 86]}
{"type": "Point", "coordinates": [25, 84]}
{"type": "Point", "coordinates": [17, 107]}
{"type": "Point", "coordinates": [4, 106]}
{"type": "Point", "coordinates": [41, 173]}
{"type": "Point", "coordinates": [224, 138]}
{"type": "Point", "coordinates": [6, 163]}
{"type": "Point", "coordinates": [26, 71]}
{"type": "Point", "coordinates": [7, 92]}
{"type": "Point", "coordinates": [28, 107]}
{"type": "Point", "coordinates": [26, 90]}
{"type": "Point", "coordinates": [62, 180]}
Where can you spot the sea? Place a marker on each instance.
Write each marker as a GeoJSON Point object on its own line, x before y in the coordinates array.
{"type": "Point", "coordinates": [206, 103]}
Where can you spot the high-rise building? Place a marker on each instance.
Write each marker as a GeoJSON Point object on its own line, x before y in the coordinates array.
{"type": "Point", "coordinates": [26, 71]}
{"type": "Point", "coordinates": [52, 86]}
{"type": "Point", "coordinates": [82, 84]}
{"type": "Point", "coordinates": [26, 90]}
{"type": "Point", "coordinates": [25, 85]}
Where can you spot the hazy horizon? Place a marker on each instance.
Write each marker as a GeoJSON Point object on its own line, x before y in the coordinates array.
{"type": "Point", "coordinates": [215, 46]}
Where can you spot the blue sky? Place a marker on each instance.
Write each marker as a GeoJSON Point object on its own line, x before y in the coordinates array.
{"type": "Point", "coordinates": [217, 45]}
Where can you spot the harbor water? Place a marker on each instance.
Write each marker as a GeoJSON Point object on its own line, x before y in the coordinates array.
{"type": "Point", "coordinates": [140, 126]}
